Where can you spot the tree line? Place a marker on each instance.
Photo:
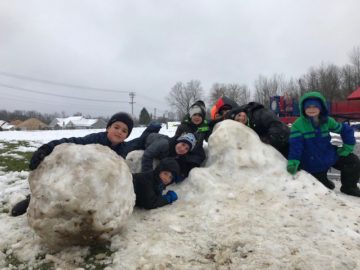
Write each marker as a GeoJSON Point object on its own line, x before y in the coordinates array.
{"type": "Point", "coordinates": [334, 82]}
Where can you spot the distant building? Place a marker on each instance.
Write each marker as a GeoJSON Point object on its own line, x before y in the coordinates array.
{"type": "Point", "coordinates": [77, 122]}
{"type": "Point", "coordinates": [5, 125]}
{"type": "Point", "coordinates": [32, 124]}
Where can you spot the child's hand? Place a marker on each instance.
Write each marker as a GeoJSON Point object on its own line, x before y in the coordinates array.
{"type": "Point", "coordinates": [345, 150]}
{"type": "Point", "coordinates": [292, 166]}
{"type": "Point", "coordinates": [170, 196]}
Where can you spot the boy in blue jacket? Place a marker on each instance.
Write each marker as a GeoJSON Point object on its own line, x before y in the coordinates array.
{"type": "Point", "coordinates": [311, 148]}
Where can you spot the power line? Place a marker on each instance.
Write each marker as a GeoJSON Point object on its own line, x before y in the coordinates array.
{"type": "Point", "coordinates": [56, 95]}
{"type": "Point", "coordinates": [60, 83]}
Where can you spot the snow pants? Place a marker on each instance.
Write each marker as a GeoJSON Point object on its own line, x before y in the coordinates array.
{"type": "Point", "coordinates": [349, 168]}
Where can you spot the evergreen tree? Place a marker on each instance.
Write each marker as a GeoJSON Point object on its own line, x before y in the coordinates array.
{"type": "Point", "coordinates": [144, 118]}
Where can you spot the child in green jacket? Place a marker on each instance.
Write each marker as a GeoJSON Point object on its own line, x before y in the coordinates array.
{"type": "Point", "coordinates": [311, 148]}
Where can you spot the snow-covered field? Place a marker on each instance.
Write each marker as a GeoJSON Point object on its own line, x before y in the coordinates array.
{"type": "Point", "coordinates": [242, 210]}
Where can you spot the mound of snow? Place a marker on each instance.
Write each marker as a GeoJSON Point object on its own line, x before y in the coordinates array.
{"type": "Point", "coordinates": [244, 211]}
{"type": "Point", "coordinates": [80, 194]}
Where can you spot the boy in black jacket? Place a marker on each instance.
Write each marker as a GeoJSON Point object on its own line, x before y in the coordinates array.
{"type": "Point", "coordinates": [148, 186]}
{"type": "Point", "coordinates": [265, 123]}
{"type": "Point", "coordinates": [118, 129]}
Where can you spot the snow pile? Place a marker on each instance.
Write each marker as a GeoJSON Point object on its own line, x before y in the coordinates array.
{"type": "Point", "coordinates": [241, 211]}
{"type": "Point", "coordinates": [244, 211]}
{"type": "Point", "coordinates": [80, 194]}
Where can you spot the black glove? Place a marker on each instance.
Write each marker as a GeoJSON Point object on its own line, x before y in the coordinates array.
{"type": "Point", "coordinates": [39, 156]}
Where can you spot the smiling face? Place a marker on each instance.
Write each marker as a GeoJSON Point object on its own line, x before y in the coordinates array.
{"type": "Point", "coordinates": [312, 111]}
{"type": "Point", "coordinates": [166, 177]}
{"type": "Point", "coordinates": [182, 148]}
{"type": "Point", "coordinates": [241, 117]}
{"type": "Point", "coordinates": [117, 132]}
{"type": "Point", "coordinates": [196, 119]}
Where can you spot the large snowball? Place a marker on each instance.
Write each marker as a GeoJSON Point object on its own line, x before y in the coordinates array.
{"type": "Point", "coordinates": [80, 194]}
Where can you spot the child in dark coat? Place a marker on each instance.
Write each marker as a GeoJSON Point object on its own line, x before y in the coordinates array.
{"type": "Point", "coordinates": [118, 129]}
{"type": "Point", "coordinates": [159, 146]}
{"type": "Point", "coordinates": [195, 123]}
{"type": "Point", "coordinates": [265, 123]}
{"type": "Point", "coordinates": [311, 148]}
{"type": "Point", "coordinates": [149, 186]}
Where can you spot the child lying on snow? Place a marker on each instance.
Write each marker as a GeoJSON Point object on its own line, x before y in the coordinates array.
{"type": "Point", "coordinates": [148, 186]}
{"type": "Point", "coordinates": [118, 129]}
{"type": "Point", "coordinates": [159, 146]}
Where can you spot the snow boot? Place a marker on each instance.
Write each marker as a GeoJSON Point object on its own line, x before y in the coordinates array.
{"type": "Point", "coordinates": [327, 183]}
{"type": "Point", "coordinates": [21, 207]}
{"type": "Point", "coordinates": [352, 191]}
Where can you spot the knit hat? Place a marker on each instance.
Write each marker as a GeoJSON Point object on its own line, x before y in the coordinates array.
{"type": "Point", "coordinates": [169, 164]}
{"type": "Point", "coordinates": [312, 102]}
{"type": "Point", "coordinates": [197, 107]}
{"type": "Point", "coordinates": [189, 139]}
{"type": "Point", "coordinates": [195, 110]}
{"type": "Point", "coordinates": [122, 117]}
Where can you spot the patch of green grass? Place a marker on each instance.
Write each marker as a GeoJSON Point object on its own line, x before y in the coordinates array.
{"type": "Point", "coordinates": [10, 163]}
{"type": "Point", "coordinates": [98, 256]}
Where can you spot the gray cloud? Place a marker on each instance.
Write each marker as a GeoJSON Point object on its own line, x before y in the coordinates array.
{"type": "Point", "coordinates": [147, 46]}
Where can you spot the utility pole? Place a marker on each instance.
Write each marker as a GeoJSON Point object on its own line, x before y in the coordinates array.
{"type": "Point", "coordinates": [154, 113]}
{"type": "Point", "coordinates": [132, 95]}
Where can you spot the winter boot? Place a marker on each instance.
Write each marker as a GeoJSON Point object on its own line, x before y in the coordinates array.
{"type": "Point", "coordinates": [352, 191]}
{"type": "Point", "coordinates": [327, 183]}
{"type": "Point", "coordinates": [21, 207]}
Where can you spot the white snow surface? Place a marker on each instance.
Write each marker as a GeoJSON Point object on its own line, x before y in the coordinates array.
{"type": "Point", "coordinates": [242, 210]}
{"type": "Point", "coordinates": [80, 194]}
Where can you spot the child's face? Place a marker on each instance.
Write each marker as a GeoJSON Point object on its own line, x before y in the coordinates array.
{"type": "Point", "coordinates": [196, 119]}
{"type": "Point", "coordinates": [312, 111]}
{"type": "Point", "coordinates": [117, 132]}
{"type": "Point", "coordinates": [241, 117]}
{"type": "Point", "coordinates": [166, 177]}
{"type": "Point", "coordinates": [181, 148]}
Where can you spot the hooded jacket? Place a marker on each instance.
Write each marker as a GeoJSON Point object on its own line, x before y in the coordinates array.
{"type": "Point", "coordinates": [311, 144]}
{"type": "Point", "coordinates": [201, 131]}
{"type": "Point", "coordinates": [148, 186]}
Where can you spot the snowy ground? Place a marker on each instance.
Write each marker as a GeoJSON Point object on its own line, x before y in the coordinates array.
{"type": "Point", "coordinates": [241, 211]}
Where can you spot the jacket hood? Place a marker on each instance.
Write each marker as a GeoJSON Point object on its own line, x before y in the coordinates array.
{"type": "Point", "coordinates": [313, 95]}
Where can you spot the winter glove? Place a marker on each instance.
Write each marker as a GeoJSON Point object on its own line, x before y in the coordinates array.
{"type": "Point", "coordinates": [39, 156]}
{"type": "Point", "coordinates": [292, 166]}
{"type": "Point", "coordinates": [170, 196]}
{"type": "Point", "coordinates": [345, 150]}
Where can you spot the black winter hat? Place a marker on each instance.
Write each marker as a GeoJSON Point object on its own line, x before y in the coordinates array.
{"type": "Point", "coordinates": [122, 117]}
{"type": "Point", "coordinates": [169, 164]}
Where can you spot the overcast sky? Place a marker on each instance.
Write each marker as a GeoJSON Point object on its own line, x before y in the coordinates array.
{"type": "Point", "coordinates": [147, 46]}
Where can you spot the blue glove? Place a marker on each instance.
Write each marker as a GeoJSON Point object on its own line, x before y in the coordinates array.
{"type": "Point", "coordinates": [170, 196]}
{"type": "Point", "coordinates": [179, 178]}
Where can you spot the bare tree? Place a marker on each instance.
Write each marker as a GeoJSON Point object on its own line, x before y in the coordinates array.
{"type": "Point", "coordinates": [355, 61]}
{"type": "Point", "coordinates": [266, 88]}
{"type": "Point", "coordinates": [239, 93]}
{"type": "Point", "coordinates": [181, 96]}
{"type": "Point", "coordinates": [348, 80]}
